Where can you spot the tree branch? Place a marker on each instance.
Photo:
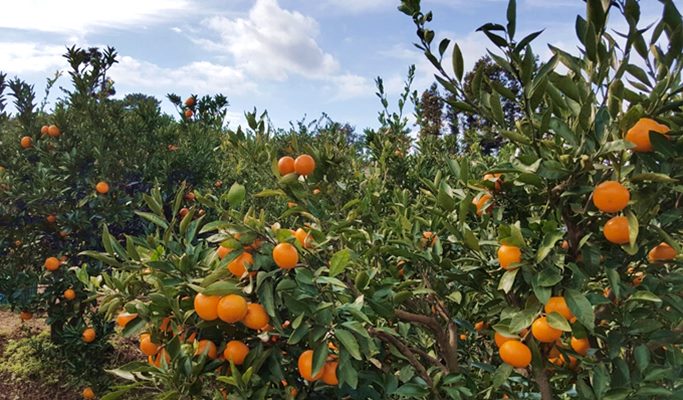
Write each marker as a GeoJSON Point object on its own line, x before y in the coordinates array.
{"type": "Point", "coordinates": [544, 387]}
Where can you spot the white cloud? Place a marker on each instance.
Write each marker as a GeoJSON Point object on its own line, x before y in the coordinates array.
{"type": "Point", "coordinates": [81, 16]}
{"type": "Point", "coordinates": [272, 43]}
{"type": "Point", "coordinates": [198, 77]}
{"type": "Point", "coordinates": [26, 57]}
{"type": "Point", "coordinates": [356, 6]}
{"type": "Point", "coordinates": [350, 86]}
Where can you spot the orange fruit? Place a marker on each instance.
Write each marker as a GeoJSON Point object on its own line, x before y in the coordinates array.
{"type": "Point", "coordinates": [543, 332]}
{"type": "Point", "coordinates": [189, 102]}
{"type": "Point", "coordinates": [222, 252]}
{"type": "Point", "coordinates": [88, 393]}
{"type": "Point", "coordinates": [202, 347]}
{"type": "Point", "coordinates": [637, 280]}
{"type": "Point", "coordinates": [305, 364]}
{"type": "Point", "coordinates": [285, 256]}
{"type": "Point", "coordinates": [661, 252]}
{"type": "Point", "coordinates": [330, 373]}
{"type": "Point", "coordinates": [616, 230]}
{"type": "Point", "coordinates": [500, 339]}
{"type": "Point", "coordinates": [148, 347]}
{"type": "Point", "coordinates": [238, 265]}
{"type": "Point", "coordinates": [26, 315]}
{"type": "Point", "coordinates": [304, 165]}
{"type": "Point", "coordinates": [463, 337]}
{"type": "Point", "coordinates": [611, 197]}
{"type": "Point", "coordinates": [165, 325]}
{"type": "Point", "coordinates": [156, 361]}
{"type": "Point", "coordinates": [479, 326]}
{"type": "Point", "coordinates": [232, 308]}
{"type": "Point", "coordinates": [495, 178]}
{"type": "Point", "coordinates": [256, 317]}
{"type": "Point", "coordinates": [69, 294]}
{"type": "Point", "coordinates": [43, 130]}
{"type": "Point", "coordinates": [51, 219]}
{"type": "Point", "coordinates": [316, 192]}
{"type": "Point", "coordinates": [508, 255]}
{"type": "Point", "coordinates": [236, 352]}
{"type": "Point", "coordinates": [639, 134]}
{"type": "Point", "coordinates": [515, 353]}
{"type": "Point", "coordinates": [26, 142]}
{"type": "Point", "coordinates": [565, 245]}
{"type": "Point", "coordinates": [206, 307]}
{"type": "Point", "coordinates": [482, 203]}
{"type": "Point", "coordinates": [580, 346]}
{"type": "Point", "coordinates": [53, 131]}
{"type": "Point", "coordinates": [89, 335]}
{"type": "Point", "coordinates": [285, 165]}
{"type": "Point", "coordinates": [559, 305]}
{"type": "Point", "coordinates": [183, 212]}
{"type": "Point", "coordinates": [102, 187]}
{"type": "Point", "coordinates": [124, 318]}
{"type": "Point", "coordinates": [188, 113]}
{"type": "Point", "coordinates": [190, 196]}
{"type": "Point", "coordinates": [52, 263]}
{"type": "Point", "coordinates": [304, 238]}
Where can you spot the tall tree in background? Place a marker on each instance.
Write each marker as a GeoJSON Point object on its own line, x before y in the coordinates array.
{"type": "Point", "coordinates": [485, 69]}
{"type": "Point", "coordinates": [429, 112]}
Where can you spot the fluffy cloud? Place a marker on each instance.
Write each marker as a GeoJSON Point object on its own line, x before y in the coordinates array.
{"type": "Point", "coordinates": [27, 57]}
{"type": "Point", "coordinates": [81, 16]}
{"type": "Point", "coordinates": [272, 43]}
{"type": "Point", "coordinates": [198, 77]}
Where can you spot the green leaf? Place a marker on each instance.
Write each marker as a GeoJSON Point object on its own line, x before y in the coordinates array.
{"type": "Point", "coordinates": [512, 18]}
{"type": "Point", "coordinates": [445, 200]}
{"type": "Point", "coordinates": [642, 356]}
{"type": "Point", "coordinates": [507, 280]}
{"type": "Point", "coordinates": [458, 63]}
{"type": "Point", "coordinates": [557, 321]}
{"type": "Point", "coordinates": [523, 319]}
{"type": "Point", "coordinates": [501, 375]}
{"type": "Point", "coordinates": [632, 227]}
{"type": "Point", "coordinates": [348, 341]}
{"type": "Point", "coordinates": [581, 308]}
{"type": "Point", "coordinates": [221, 288]}
{"type": "Point", "coordinates": [153, 219]}
{"type": "Point", "coordinates": [645, 295]}
{"type": "Point", "coordinates": [339, 261]}
{"type": "Point", "coordinates": [236, 194]}
{"type": "Point", "coordinates": [319, 357]}
{"type": "Point", "coordinates": [653, 177]}
{"type": "Point", "coordinates": [549, 241]}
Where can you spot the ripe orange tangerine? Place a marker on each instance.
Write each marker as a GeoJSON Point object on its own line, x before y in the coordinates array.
{"type": "Point", "coordinates": [124, 318]}
{"type": "Point", "coordinates": [238, 266]}
{"type": "Point", "coordinates": [580, 346]}
{"type": "Point", "coordinates": [206, 307]}
{"type": "Point", "coordinates": [330, 373]}
{"type": "Point", "coordinates": [285, 165]}
{"type": "Point", "coordinates": [188, 113]}
{"type": "Point", "coordinates": [209, 347]}
{"type": "Point", "coordinates": [236, 352]}
{"type": "Point", "coordinates": [543, 332]}
{"type": "Point", "coordinates": [499, 338]}
{"type": "Point", "coordinates": [53, 131]}
{"type": "Point", "coordinates": [639, 134]}
{"type": "Point", "coordinates": [508, 255]}
{"type": "Point", "coordinates": [496, 179]}
{"type": "Point", "coordinates": [559, 305]}
{"type": "Point", "coordinates": [52, 264]}
{"type": "Point", "coordinates": [88, 393]}
{"type": "Point", "coordinates": [88, 335]}
{"type": "Point", "coordinates": [515, 353]}
{"type": "Point", "coordinates": [305, 365]}
{"type": "Point", "coordinates": [148, 347]}
{"type": "Point", "coordinates": [221, 252]}
{"type": "Point", "coordinates": [69, 294]}
{"type": "Point", "coordinates": [611, 197]}
{"type": "Point", "coordinates": [51, 219]}
{"type": "Point", "coordinates": [616, 230]}
{"type": "Point", "coordinates": [43, 130]}
{"type": "Point", "coordinates": [304, 165]}
{"type": "Point", "coordinates": [26, 315]}
{"type": "Point", "coordinates": [285, 256]}
{"type": "Point", "coordinates": [189, 102]}
{"type": "Point", "coordinates": [661, 252]}
{"type": "Point", "coordinates": [256, 317]}
{"type": "Point", "coordinates": [304, 238]}
{"type": "Point", "coordinates": [483, 204]}
{"type": "Point", "coordinates": [232, 308]}
{"type": "Point", "coordinates": [26, 142]}
{"type": "Point", "coordinates": [102, 187]}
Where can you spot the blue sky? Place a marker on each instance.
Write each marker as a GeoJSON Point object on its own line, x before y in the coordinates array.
{"type": "Point", "coordinates": [294, 58]}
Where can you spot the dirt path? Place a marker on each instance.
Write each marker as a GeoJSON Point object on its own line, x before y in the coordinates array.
{"type": "Point", "coordinates": [11, 327]}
